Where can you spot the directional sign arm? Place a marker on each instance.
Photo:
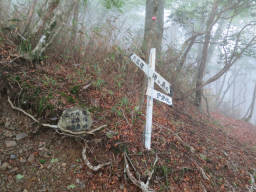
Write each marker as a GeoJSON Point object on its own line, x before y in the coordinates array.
{"type": "Point", "coordinates": [159, 96]}
{"type": "Point", "coordinates": [140, 63]}
{"type": "Point", "coordinates": [158, 79]}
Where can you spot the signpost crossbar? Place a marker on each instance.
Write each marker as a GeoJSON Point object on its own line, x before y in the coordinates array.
{"type": "Point", "coordinates": [153, 76]}
{"type": "Point", "coordinates": [158, 79]}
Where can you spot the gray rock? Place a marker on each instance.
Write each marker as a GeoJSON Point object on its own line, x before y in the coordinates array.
{"type": "Point", "coordinates": [82, 186]}
{"type": "Point", "coordinates": [5, 166]}
{"type": "Point", "coordinates": [31, 158]}
{"type": "Point", "coordinates": [122, 187]}
{"type": "Point", "coordinates": [8, 134]}
{"type": "Point", "coordinates": [13, 156]}
{"type": "Point", "coordinates": [44, 154]}
{"type": "Point", "coordinates": [21, 136]}
{"type": "Point", "coordinates": [7, 123]}
{"type": "Point", "coordinates": [10, 143]}
{"type": "Point", "coordinates": [75, 120]}
{"type": "Point", "coordinates": [78, 181]}
{"type": "Point", "coordinates": [23, 160]}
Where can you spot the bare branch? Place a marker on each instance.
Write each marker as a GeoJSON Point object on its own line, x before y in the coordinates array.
{"type": "Point", "coordinates": [87, 162]}
{"type": "Point", "coordinates": [21, 110]}
{"type": "Point", "coordinates": [55, 126]}
{"type": "Point", "coordinates": [143, 186]}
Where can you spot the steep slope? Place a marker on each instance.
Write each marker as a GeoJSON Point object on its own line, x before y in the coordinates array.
{"type": "Point", "coordinates": [195, 153]}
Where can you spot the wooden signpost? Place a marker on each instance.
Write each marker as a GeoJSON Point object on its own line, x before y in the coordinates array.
{"type": "Point", "coordinates": [153, 77]}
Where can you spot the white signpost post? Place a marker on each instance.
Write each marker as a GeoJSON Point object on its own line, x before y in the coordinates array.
{"type": "Point", "coordinates": [153, 77]}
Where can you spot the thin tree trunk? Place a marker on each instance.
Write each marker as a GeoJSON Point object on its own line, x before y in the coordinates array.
{"type": "Point", "coordinates": [53, 4]}
{"type": "Point", "coordinates": [202, 65]}
{"type": "Point", "coordinates": [217, 35]}
{"type": "Point", "coordinates": [75, 22]}
{"type": "Point", "coordinates": [29, 17]}
{"type": "Point", "coordinates": [233, 100]}
{"type": "Point", "coordinates": [52, 28]}
{"type": "Point", "coordinates": [250, 111]}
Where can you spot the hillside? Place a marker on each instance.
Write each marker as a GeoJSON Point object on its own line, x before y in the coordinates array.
{"type": "Point", "coordinates": [196, 153]}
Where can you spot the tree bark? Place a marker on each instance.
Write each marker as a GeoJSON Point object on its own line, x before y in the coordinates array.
{"type": "Point", "coordinates": [248, 115]}
{"type": "Point", "coordinates": [154, 24]}
{"type": "Point", "coordinates": [52, 5]}
{"type": "Point", "coordinates": [75, 22]}
{"type": "Point", "coordinates": [153, 34]}
{"type": "Point", "coordinates": [202, 64]}
{"type": "Point", "coordinates": [51, 29]}
{"type": "Point", "coordinates": [29, 17]}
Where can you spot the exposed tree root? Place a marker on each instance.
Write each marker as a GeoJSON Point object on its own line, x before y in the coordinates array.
{"type": "Point", "coordinates": [21, 110]}
{"type": "Point", "coordinates": [87, 162]}
{"type": "Point", "coordinates": [69, 133]}
{"type": "Point", "coordinates": [143, 186]}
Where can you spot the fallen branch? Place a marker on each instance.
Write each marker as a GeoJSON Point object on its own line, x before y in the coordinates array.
{"type": "Point", "coordinates": [86, 86]}
{"type": "Point", "coordinates": [21, 110]}
{"type": "Point", "coordinates": [185, 144]}
{"type": "Point", "coordinates": [70, 133]}
{"type": "Point", "coordinates": [96, 129]}
{"type": "Point", "coordinates": [126, 118]}
{"type": "Point", "coordinates": [87, 162]}
{"type": "Point", "coordinates": [50, 126]}
{"type": "Point", "coordinates": [203, 187]}
{"type": "Point", "coordinates": [201, 171]}
{"type": "Point", "coordinates": [143, 186]}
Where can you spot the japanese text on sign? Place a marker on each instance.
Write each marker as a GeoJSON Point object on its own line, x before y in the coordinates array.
{"type": "Point", "coordinates": [159, 96]}
{"type": "Point", "coordinates": [158, 79]}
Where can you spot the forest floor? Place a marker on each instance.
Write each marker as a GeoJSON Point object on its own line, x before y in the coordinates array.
{"type": "Point", "coordinates": [196, 153]}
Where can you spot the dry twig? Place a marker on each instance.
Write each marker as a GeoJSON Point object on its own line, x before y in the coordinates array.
{"type": "Point", "coordinates": [21, 110]}
{"type": "Point", "coordinates": [201, 171]}
{"type": "Point", "coordinates": [70, 133]}
{"type": "Point", "coordinates": [87, 162]}
{"type": "Point", "coordinates": [143, 186]}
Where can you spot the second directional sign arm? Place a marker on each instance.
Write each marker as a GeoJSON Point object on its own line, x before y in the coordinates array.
{"type": "Point", "coordinates": [158, 79]}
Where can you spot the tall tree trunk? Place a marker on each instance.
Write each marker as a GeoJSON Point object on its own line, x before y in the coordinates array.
{"type": "Point", "coordinates": [250, 111]}
{"type": "Point", "coordinates": [75, 21]}
{"type": "Point", "coordinates": [50, 13]}
{"type": "Point", "coordinates": [203, 62]}
{"type": "Point", "coordinates": [29, 17]}
{"type": "Point", "coordinates": [217, 35]}
{"type": "Point", "coordinates": [153, 34]}
{"type": "Point", "coordinates": [154, 24]}
{"type": "Point", "coordinates": [52, 28]}
{"type": "Point", "coordinates": [233, 100]}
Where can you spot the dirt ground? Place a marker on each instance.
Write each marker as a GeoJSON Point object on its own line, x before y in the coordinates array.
{"type": "Point", "coordinates": [196, 153]}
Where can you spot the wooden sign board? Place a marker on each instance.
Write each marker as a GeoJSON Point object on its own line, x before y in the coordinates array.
{"type": "Point", "coordinates": [158, 79]}
{"type": "Point", "coordinates": [159, 96]}
{"type": "Point", "coordinates": [153, 76]}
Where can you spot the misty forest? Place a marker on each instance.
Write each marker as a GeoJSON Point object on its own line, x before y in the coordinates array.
{"type": "Point", "coordinates": [128, 95]}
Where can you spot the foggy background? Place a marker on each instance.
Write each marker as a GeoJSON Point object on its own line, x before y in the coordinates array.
{"type": "Point", "coordinates": [128, 27]}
